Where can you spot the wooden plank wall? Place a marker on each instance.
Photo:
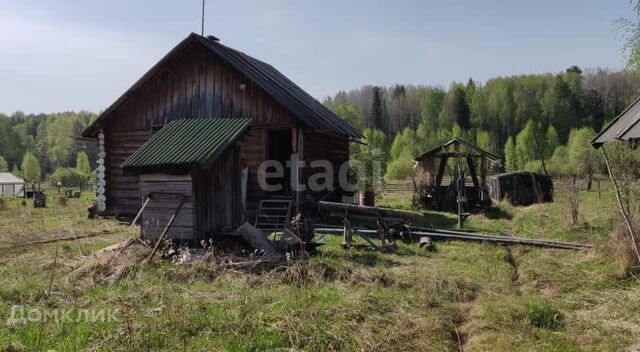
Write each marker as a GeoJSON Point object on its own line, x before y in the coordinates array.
{"type": "Point", "coordinates": [196, 85]}
{"type": "Point", "coordinates": [199, 85]}
{"type": "Point", "coordinates": [217, 196]}
{"type": "Point", "coordinates": [161, 207]}
{"type": "Point", "coordinates": [321, 146]}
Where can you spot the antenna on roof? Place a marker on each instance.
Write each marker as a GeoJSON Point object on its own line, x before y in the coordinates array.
{"type": "Point", "coordinates": [202, 27]}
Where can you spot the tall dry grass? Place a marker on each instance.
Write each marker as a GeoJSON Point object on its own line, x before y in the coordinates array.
{"type": "Point", "coordinates": [621, 248]}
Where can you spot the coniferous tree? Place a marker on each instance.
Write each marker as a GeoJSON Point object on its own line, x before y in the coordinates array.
{"type": "Point", "coordinates": [377, 111]}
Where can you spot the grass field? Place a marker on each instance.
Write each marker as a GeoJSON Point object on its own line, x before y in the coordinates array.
{"type": "Point", "coordinates": [461, 296]}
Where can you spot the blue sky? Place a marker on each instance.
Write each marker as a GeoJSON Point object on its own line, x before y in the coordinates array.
{"type": "Point", "coordinates": [71, 54]}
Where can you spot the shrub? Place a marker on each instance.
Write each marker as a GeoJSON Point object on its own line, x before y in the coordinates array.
{"type": "Point", "coordinates": [533, 166]}
{"type": "Point", "coordinates": [68, 177]}
{"type": "Point", "coordinates": [3, 203]}
{"type": "Point", "coordinates": [559, 163]}
{"type": "Point", "coordinates": [543, 314]}
{"type": "Point", "coordinates": [399, 169]}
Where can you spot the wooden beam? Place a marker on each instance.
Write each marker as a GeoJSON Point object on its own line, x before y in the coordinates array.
{"type": "Point", "coordinates": [472, 171]}
{"type": "Point", "coordinates": [441, 168]}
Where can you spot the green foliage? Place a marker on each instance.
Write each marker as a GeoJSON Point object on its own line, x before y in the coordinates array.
{"type": "Point", "coordinates": [456, 131]}
{"type": "Point", "coordinates": [532, 166]}
{"type": "Point", "coordinates": [374, 152]}
{"type": "Point", "coordinates": [400, 169]}
{"type": "Point", "coordinates": [559, 164]}
{"type": "Point", "coordinates": [560, 105]}
{"type": "Point", "coordinates": [16, 171]}
{"type": "Point", "coordinates": [455, 109]}
{"type": "Point", "coordinates": [377, 110]}
{"type": "Point", "coordinates": [584, 159]}
{"type": "Point", "coordinates": [350, 113]}
{"type": "Point", "coordinates": [376, 147]}
{"type": "Point", "coordinates": [510, 155]}
{"type": "Point", "coordinates": [430, 107]}
{"type": "Point", "coordinates": [82, 164]}
{"type": "Point", "coordinates": [630, 29]}
{"type": "Point", "coordinates": [501, 107]}
{"type": "Point", "coordinates": [51, 137]}
{"type": "Point", "coordinates": [552, 141]}
{"type": "Point", "coordinates": [68, 177]}
{"type": "Point", "coordinates": [525, 146]}
{"type": "Point", "coordinates": [4, 167]}
{"type": "Point", "coordinates": [543, 314]}
{"type": "Point", "coordinates": [405, 144]}
{"type": "Point", "coordinates": [31, 168]}
{"type": "Point", "coordinates": [483, 141]}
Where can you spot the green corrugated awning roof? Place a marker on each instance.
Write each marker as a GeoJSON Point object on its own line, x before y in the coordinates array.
{"type": "Point", "coordinates": [188, 141]}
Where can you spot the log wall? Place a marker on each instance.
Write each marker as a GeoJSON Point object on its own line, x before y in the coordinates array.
{"type": "Point", "coordinates": [321, 146]}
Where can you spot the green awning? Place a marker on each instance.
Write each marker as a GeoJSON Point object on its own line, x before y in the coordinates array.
{"type": "Point", "coordinates": [188, 142]}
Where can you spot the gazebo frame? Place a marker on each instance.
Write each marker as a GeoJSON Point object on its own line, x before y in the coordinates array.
{"type": "Point", "coordinates": [429, 183]}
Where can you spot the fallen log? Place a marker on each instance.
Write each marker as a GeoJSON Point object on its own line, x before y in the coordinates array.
{"type": "Point", "coordinates": [437, 234]}
{"type": "Point", "coordinates": [258, 240]}
{"type": "Point", "coordinates": [59, 239]}
{"type": "Point", "coordinates": [499, 237]}
{"type": "Point", "coordinates": [340, 209]}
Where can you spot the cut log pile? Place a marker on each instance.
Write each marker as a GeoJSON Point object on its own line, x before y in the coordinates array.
{"type": "Point", "coordinates": [400, 228]}
{"type": "Point", "coordinates": [425, 235]}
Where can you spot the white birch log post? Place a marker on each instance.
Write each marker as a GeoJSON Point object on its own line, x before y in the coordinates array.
{"type": "Point", "coordinates": [101, 199]}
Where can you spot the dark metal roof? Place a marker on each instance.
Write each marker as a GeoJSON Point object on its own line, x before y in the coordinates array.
{"type": "Point", "coordinates": [624, 127]}
{"type": "Point", "coordinates": [188, 142]}
{"type": "Point", "coordinates": [443, 148]}
{"type": "Point", "coordinates": [295, 99]}
{"type": "Point", "coordinates": [520, 173]}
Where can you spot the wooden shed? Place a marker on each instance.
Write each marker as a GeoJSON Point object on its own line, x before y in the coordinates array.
{"type": "Point", "coordinates": [521, 188]}
{"type": "Point", "coordinates": [193, 132]}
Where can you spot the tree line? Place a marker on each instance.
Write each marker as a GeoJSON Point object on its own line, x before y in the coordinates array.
{"type": "Point", "coordinates": [46, 146]}
{"type": "Point", "coordinates": [505, 116]}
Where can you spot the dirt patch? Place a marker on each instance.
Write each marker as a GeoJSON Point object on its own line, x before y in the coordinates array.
{"type": "Point", "coordinates": [515, 273]}
{"type": "Point", "coordinates": [464, 324]}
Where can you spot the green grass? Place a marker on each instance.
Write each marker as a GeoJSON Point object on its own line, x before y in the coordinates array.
{"type": "Point", "coordinates": [481, 296]}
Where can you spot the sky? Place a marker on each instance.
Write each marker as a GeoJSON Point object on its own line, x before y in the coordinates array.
{"type": "Point", "coordinates": [82, 55]}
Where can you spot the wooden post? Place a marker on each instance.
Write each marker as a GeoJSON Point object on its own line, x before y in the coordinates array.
{"type": "Point", "coordinates": [140, 211]}
{"type": "Point", "coordinates": [535, 137]}
{"type": "Point", "coordinates": [460, 185]}
{"type": "Point", "coordinates": [298, 139]}
{"type": "Point", "coordinates": [574, 201]}
{"type": "Point", "coordinates": [599, 191]}
{"type": "Point", "coordinates": [483, 181]}
{"type": "Point", "coordinates": [441, 168]}
{"type": "Point", "coordinates": [164, 232]}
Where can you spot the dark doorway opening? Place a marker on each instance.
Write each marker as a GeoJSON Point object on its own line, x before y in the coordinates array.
{"type": "Point", "coordinates": [280, 150]}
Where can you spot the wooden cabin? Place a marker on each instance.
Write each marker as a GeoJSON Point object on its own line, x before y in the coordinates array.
{"type": "Point", "coordinates": [188, 138]}
{"type": "Point", "coordinates": [451, 163]}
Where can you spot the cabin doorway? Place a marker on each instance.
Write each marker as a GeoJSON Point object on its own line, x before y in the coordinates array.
{"type": "Point", "coordinates": [280, 150]}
